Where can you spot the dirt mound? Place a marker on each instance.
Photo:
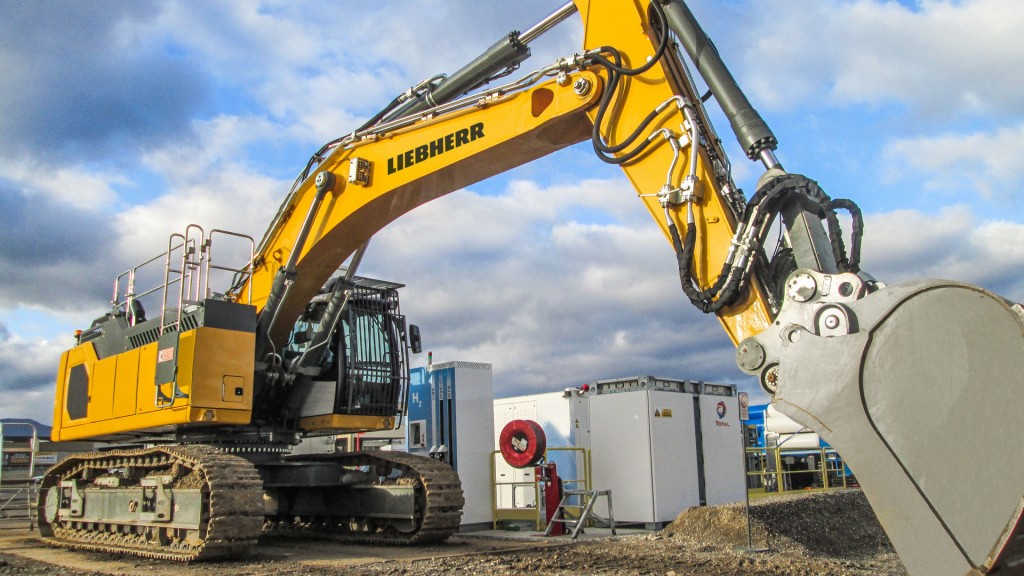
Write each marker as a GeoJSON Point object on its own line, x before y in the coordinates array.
{"type": "Point", "coordinates": [839, 524]}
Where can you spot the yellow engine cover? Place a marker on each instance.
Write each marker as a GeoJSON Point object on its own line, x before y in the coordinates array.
{"type": "Point", "coordinates": [212, 383]}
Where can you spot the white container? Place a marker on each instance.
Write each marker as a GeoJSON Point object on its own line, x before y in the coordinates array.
{"type": "Point", "coordinates": [660, 445]}
{"type": "Point", "coordinates": [644, 450]}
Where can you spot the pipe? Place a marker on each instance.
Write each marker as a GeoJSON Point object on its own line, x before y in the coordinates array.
{"type": "Point", "coordinates": [335, 306]}
{"type": "Point", "coordinates": [286, 276]}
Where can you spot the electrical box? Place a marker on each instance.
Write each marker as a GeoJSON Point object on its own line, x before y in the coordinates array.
{"type": "Point", "coordinates": [644, 447]}
{"type": "Point", "coordinates": [721, 443]}
{"type": "Point", "coordinates": [451, 419]}
{"type": "Point", "coordinates": [663, 445]}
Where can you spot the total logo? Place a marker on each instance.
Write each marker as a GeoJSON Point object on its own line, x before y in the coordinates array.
{"type": "Point", "coordinates": [721, 410]}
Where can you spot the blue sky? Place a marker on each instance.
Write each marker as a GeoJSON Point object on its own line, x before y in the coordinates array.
{"type": "Point", "coordinates": [124, 121]}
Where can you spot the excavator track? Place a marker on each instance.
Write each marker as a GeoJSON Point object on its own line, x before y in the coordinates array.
{"type": "Point", "coordinates": [225, 491]}
{"type": "Point", "coordinates": [438, 494]}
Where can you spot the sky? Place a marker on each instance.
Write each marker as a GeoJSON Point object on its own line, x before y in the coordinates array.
{"type": "Point", "coordinates": [124, 121]}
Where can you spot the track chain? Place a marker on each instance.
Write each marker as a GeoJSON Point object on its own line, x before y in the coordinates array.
{"type": "Point", "coordinates": [232, 517]}
{"type": "Point", "coordinates": [439, 496]}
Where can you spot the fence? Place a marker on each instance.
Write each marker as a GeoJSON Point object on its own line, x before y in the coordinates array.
{"type": "Point", "coordinates": [18, 483]}
{"type": "Point", "coordinates": [782, 470]}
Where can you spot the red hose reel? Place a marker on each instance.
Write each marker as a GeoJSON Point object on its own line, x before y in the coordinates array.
{"type": "Point", "coordinates": [522, 443]}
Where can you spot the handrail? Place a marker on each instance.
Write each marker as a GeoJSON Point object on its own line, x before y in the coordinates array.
{"type": "Point", "coordinates": [132, 275]}
{"type": "Point", "coordinates": [829, 465]}
{"type": "Point", "coordinates": [247, 269]}
{"type": "Point", "coordinates": [33, 445]}
{"type": "Point", "coordinates": [187, 265]}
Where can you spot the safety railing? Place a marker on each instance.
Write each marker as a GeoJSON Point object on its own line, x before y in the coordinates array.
{"type": "Point", "coordinates": [532, 513]}
{"type": "Point", "coordinates": [186, 265]}
{"type": "Point", "coordinates": [780, 470]}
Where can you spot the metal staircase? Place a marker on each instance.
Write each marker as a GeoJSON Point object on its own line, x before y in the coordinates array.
{"type": "Point", "coordinates": [577, 507]}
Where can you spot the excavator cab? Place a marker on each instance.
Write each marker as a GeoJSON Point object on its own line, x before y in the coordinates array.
{"type": "Point", "coordinates": [348, 356]}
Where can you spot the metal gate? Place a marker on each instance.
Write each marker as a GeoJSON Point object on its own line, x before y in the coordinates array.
{"type": "Point", "coordinates": [18, 483]}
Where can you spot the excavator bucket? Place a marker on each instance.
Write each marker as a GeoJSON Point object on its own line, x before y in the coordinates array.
{"type": "Point", "coordinates": [922, 397]}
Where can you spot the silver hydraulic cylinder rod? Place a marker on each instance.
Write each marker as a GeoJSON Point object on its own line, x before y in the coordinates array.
{"type": "Point", "coordinates": [548, 23]}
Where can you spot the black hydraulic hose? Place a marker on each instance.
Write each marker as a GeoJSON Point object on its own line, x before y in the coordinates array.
{"type": "Point", "coordinates": [810, 189]}
{"type": "Point", "coordinates": [702, 299]}
{"type": "Point", "coordinates": [603, 150]}
{"type": "Point", "coordinates": [856, 232]}
{"type": "Point", "coordinates": [835, 236]}
{"type": "Point", "coordinates": [615, 73]}
{"type": "Point", "coordinates": [763, 207]}
{"type": "Point", "coordinates": [662, 44]}
{"type": "Point", "coordinates": [380, 115]}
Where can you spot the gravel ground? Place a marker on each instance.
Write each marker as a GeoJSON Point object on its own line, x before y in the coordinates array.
{"type": "Point", "coordinates": [825, 534]}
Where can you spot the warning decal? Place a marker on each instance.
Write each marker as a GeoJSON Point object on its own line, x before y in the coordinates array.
{"type": "Point", "coordinates": [663, 413]}
{"type": "Point", "coordinates": [165, 355]}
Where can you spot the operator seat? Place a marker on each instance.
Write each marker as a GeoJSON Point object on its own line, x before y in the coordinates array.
{"type": "Point", "coordinates": [136, 313]}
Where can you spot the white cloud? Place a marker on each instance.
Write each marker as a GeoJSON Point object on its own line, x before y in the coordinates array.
{"type": "Point", "coordinates": [322, 70]}
{"type": "Point", "coordinates": [984, 162]}
{"type": "Point", "coordinates": [77, 186]}
{"type": "Point", "coordinates": [217, 144]}
{"type": "Point", "coordinates": [27, 369]}
{"type": "Point", "coordinates": [939, 57]}
{"type": "Point", "coordinates": [232, 198]}
{"type": "Point", "coordinates": [953, 244]}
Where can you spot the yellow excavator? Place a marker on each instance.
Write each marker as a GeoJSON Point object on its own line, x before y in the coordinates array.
{"type": "Point", "coordinates": [918, 385]}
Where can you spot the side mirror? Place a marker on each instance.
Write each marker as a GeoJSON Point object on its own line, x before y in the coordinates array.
{"type": "Point", "coordinates": [415, 341]}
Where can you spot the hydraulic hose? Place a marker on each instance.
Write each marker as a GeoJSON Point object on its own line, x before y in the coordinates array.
{"type": "Point", "coordinates": [758, 215]}
{"type": "Point", "coordinates": [615, 73]}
